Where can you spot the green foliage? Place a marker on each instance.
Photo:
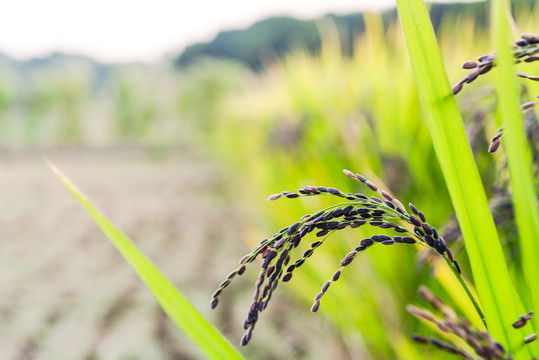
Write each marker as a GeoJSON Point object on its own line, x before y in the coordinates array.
{"type": "Point", "coordinates": [523, 193]}
{"type": "Point", "coordinates": [496, 291]}
{"type": "Point", "coordinates": [204, 90]}
{"type": "Point", "coordinates": [275, 37]}
{"type": "Point", "coordinates": [263, 40]}
{"type": "Point", "coordinates": [134, 114]}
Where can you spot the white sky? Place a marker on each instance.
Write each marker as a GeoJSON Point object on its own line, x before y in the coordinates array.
{"type": "Point", "coordinates": [124, 30]}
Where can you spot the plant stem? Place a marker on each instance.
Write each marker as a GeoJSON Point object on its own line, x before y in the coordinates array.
{"type": "Point", "coordinates": [467, 289]}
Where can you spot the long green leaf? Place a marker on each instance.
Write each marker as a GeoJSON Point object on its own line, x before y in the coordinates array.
{"type": "Point", "coordinates": [518, 159]}
{"type": "Point", "coordinates": [498, 297]}
{"type": "Point", "coordinates": [177, 307]}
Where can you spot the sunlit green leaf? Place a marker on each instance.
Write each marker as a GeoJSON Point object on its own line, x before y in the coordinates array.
{"type": "Point", "coordinates": [497, 295]}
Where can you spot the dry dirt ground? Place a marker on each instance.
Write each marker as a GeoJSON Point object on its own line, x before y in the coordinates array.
{"type": "Point", "coordinates": [66, 294]}
{"type": "Point", "coordinates": [64, 291]}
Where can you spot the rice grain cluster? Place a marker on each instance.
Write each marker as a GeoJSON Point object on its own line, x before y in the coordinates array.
{"type": "Point", "coordinates": [277, 252]}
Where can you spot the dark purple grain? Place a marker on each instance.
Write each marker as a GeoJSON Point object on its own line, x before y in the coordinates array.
{"type": "Point", "coordinates": [371, 186]}
{"type": "Point", "coordinates": [530, 338]}
{"type": "Point", "coordinates": [494, 146]}
{"type": "Point", "coordinates": [420, 339]}
{"type": "Point", "coordinates": [322, 233]}
{"type": "Point", "coordinates": [528, 105]}
{"type": "Point", "coordinates": [485, 69]}
{"type": "Point", "coordinates": [408, 240]}
{"type": "Point", "coordinates": [366, 242]}
{"type": "Point", "coordinates": [380, 238]}
{"type": "Point", "coordinates": [457, 88]}
{"type": "Point", "coordinates": [334, 191]}
{"type": "Point", "coordinates": [439, 246]}
{"type": "Point", "coordinates": [469, 65]}
{"type": "Point", "coordinates": [325, 287]}
{"type": "Point", "coordinates": [293, 228]}
{"type": "Point", "coordinates": [457, 266]}
{"type": "Point", "coordinates": [308, 253]}
{"type": "Point", "coordinates": [426, 227]}
{"type": "Point", "coordinates": [247, 337]}
{"type": "Point", "coordinates": [241, 270]}
{"type": "Point", "coordinates": [360, 178]}
{"type": "Point", "coordinates": [519, 323]}
{"type": "Point", "coordinates": [390, 204]}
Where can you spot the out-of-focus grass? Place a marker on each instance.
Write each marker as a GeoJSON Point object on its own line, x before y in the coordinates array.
{"type": "Point", "coordinates": [308, 117]}
{"type": "Point", "coordinates": [74, 101]}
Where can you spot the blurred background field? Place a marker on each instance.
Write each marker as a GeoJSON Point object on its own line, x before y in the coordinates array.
{"type": "Point", "coordinates": [181, 154]}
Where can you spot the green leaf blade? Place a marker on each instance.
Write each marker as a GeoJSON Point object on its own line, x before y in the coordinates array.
{"type": "Point", "coordinates": [498, 297]}
{"type": "Point", "coordinates": [174, 303]}
{"type": "Point", "coordinates": [518, 159]}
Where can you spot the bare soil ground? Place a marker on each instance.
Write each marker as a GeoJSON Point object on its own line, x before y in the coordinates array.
{"type": "Point", "coordinates": [66, 294]}
{"type": "Point", "coordinates": [64, 291]}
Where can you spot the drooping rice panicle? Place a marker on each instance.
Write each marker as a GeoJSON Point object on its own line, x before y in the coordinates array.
{"type": "Point", "coordinates": [279, 259]}
{"type": "Point", "coordinates": [523, 320]}
{"type": "Point", "coordinates": [447, 321]}
{"type": "Point", "coordinates": [525, 50]}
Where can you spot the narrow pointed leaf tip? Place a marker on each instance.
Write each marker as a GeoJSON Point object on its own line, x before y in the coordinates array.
{"type": "Point", "coordinates": [175, 304]}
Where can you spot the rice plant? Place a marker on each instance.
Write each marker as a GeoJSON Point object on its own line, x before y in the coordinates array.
{"type": "Point", "coordinates": [313, 133]}
{"type": "Point", "coordinates": [467, 341]}
{"type": "Point", "coordinates": [497, 293]}
{"type": "Point", "coordinates": [525, 50]}
{"type": "Point", "coordinates": [384, 212]}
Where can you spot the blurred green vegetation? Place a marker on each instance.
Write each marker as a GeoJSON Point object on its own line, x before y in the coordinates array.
{"type": "Point", "coordinates": [305, 115]}
{"type": "Point", "coordinates": [278, 36]}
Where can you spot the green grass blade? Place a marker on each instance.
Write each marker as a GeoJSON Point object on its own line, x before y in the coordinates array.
{"type": "Point", "coordinates": [496, 292]}
{"type": "Point", "coordinates": [518, 159]}
{"type": "Point", "coordinates": [177, 307]}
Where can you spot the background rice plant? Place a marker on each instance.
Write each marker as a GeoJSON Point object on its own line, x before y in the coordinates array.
{"type": "Point", "coordinates": [364, 141]}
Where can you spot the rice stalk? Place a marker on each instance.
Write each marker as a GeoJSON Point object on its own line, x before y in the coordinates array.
{"type": "Point", "coordinates": [525, 50]}
{"type": "Point", "coordinates": [472, 342]}
{"type": "Point", "coordinates": [383, 211]}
